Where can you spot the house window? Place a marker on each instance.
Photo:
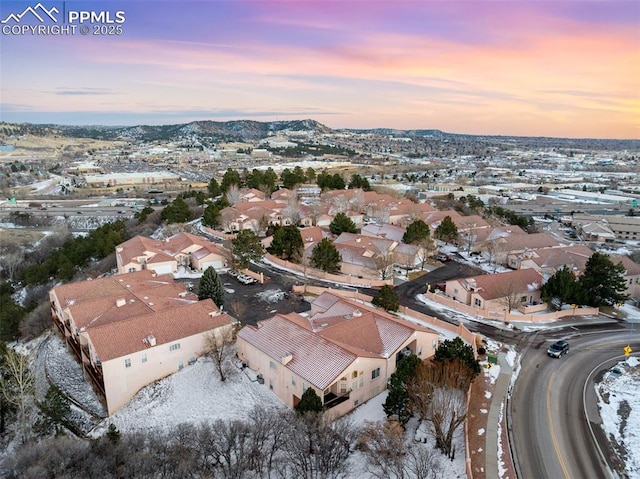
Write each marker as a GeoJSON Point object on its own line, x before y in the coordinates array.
{"type": "Point", "coordinates": [455, 292]}
{"type": "Point", "coordinates": [293, 381]}
{"type": "Point", "coordinates": [143, 358]}
{"type": "Point", "coordinates": [127, 363]}
{"type": "Point", "coordinates": [354, 375]}
{"type": "Point", "coordinates": [375, 373]}
{"type": "Point", "coordinates": [174, 347]}
{"type": "Point", "coordinates": [523, 299]}
{"type": "Point", "coordinates": [477, 302]}
{"type": "Point", "coordinates": [420, 351]}
{"type": "Point", "coordinates": [180, 365]}
{"type": "Point", "coordinates": [272, 365]}
{"type": "Point", "coordinates": [304, 387]}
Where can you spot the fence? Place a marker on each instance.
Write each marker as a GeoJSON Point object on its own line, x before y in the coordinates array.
{"type": "Point", "coordinates": [503, 315]}
{"type": "Point", "coordinates": [331, 278]}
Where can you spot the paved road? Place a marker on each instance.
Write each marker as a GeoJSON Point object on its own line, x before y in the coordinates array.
{"type": "Point", "coordinates": [549, 431]}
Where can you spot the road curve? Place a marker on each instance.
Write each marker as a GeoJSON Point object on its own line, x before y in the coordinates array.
{"type": "Point", "coordinates": [550, 433]}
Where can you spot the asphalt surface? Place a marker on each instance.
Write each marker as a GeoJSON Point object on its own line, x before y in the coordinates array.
{"type": "Point", "coordinates": [555, 425]}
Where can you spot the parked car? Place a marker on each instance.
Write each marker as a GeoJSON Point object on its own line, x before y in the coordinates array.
{"type": "Point", "coordinates": [443, 257]}
{"type": "Point", "coordinates": [233, 272]}
{"type": "Point", "coordinates": [558, 348]}
{"type": "Point", "coordinates": [244, 279]}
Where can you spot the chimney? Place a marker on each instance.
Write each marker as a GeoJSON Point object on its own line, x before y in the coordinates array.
{"type": "Point", "coordinates": [151, 339]}
{"type": "Point", "coordinates": [120, 302]}
{"type": "Point", "coordinates": [286, 359]}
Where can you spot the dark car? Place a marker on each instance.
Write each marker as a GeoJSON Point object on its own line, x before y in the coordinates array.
{"type": "Point", "coordinates": [558, 348]}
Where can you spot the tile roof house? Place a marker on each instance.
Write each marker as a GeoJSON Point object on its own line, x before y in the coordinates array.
{"type": "Point", "coordinates": [498, 291]}
{"type": "Point", "coordinates": [165, 256]}
{"type": "Point", "coordinates": [499, 249]}
{"type": "Point", "coordinates": [345, 350]}
{"type": "Point", "coordinates": [132, 329]}
{"type": "Point", "coordinates": [548, 261]}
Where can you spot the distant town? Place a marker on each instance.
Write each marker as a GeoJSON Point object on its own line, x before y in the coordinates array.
{"type": "Point", "coordinates": [315, 270]}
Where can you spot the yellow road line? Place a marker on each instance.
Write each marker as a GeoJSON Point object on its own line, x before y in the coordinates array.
{"type": "Point", "coordinates": [551, 429]}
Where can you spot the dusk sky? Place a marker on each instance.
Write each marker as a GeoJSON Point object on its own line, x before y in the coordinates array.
{"type": "Point", "coordinates": [561, 68]}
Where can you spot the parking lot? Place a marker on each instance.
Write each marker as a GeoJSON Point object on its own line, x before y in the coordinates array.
{"type": "Point", "coordinates": [259, 301]}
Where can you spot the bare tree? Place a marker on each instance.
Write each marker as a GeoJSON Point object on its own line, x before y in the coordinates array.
{"type": "Point", "coordinates": [495, 248]}
{"type": "Point", "coordinates": [238, 308]}
{"type": "Point", "coordinates": [17, 387]}
{"type": "Point", "coordinates": [317, 449]}
{"type": "Point", "coordinates": [357, 201]}
{"type": "Point", "coordinates": [292, 210]}
{"type": "Point", "coordinates": [11, 263]}
{"type": "Point", "coordinates": [233, 194]}
{"type": "Point", "coordinates": [423, 463]}
{"type": "Point", "coordinates": [384, 264]}
{"type": "Point", "coordinates": [384, 446]}
{"type": "Point", "coordinates": [510, 295]}
{"type": "Point", "coordinates": [448, 409]}
{"type": "Point", "coordinates": [221, 347]}
{"type": "Point", "coordinates": [268, 429]}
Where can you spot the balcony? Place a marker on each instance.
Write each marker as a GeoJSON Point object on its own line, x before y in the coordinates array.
{"type": "Point", "coordinates": [331, 400]}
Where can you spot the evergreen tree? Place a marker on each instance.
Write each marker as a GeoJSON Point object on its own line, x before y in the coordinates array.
{"type": "Point", "coordinates": [358, 181]}
{"type": "Point", "coordinates": [326, 257]}
{"type": "Point", "coordinates": [231, 177]}
{"type": "Point", "coordinates": [214, 188]}
{"type": "Point", "coordinates": [416, 232]}
{"type": "Point", "coordinates": [342, 224]}
{"type": "Point", "coordinates": [563, 288]}
{"type": "Point", "coordinates": [397, 404]}
{"type": "Point", "coordinates": [246, 247]}
{"type": "Point", "coordinates": [287, 243]}
{"type": "Point", "coordinates": [310, 402]}
{"type": "Point", "coordinates": [447, 231]}
{"type": "Point", "coordinates": [451, 349]}
{"type": "Point", "coordinates": [270, 180]}
{"type": "Point", "coordinates": [604, 281]}
{"type": "Point", "coordinates": [211, 287]}
{"type": "Point", "coordinates": [386, 298]}
{"type": "Point", "coordinates": [55, 412]}
{"type": "Point", "coordinates": [211, 216]}
{"type": "Point", "coordinates": [113, 434]}
{"type": "Point", "coordinates": [176, 212]}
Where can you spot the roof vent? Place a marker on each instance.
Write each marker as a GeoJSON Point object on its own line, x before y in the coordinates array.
{"type": "Point", "coordinates": [357, 313]}
{"type": "Point", "coordinates": [324, 325]}
{"type": "Point", "coordinates": [120, 302]}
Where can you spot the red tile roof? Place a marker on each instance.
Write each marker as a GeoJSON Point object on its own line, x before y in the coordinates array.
{"type": "Point", "coordinates": [115, 340]}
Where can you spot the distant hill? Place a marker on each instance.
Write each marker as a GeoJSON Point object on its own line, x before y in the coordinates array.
{"type": "Point", "coordinates": [202, 130]}
{"type": "Point", "coordinates": [208, 133]}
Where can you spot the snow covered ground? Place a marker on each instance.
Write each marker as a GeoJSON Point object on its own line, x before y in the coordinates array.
{"type": "Point", "coordinates": [619, 405]}
{"type": "Point", "coordinates": [195, 395]}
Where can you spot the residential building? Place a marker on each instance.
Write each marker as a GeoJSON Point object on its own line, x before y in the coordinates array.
{"type": "Point", "coordinates": [132, 329]}
{"type": "Point", "coordinates": [166, 256]}
{"type": "Point", "coordinates": [498, 291]}
{"type": "Point", "coordinates": [345, 350]}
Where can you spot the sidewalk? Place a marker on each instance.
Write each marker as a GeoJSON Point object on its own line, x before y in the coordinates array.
{"type": "Point", "coordinates": [493, 420]}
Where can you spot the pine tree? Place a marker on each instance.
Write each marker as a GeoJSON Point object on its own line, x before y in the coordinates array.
{"type": "Point", "coordinates": [397, 404]}
{"type": "Point", "coordinates": [287, 243]}
{"type": "Point", "coordinates": [326, 257]}
{"type": "Point", "coordinates": [211, 287]}
{"type": "Point", "coordinates": [604, 281]}
{"type": "Point", "coordinates": [563, 288]}
{"type": "Point", "coordinates": [309, 402]}
{"type": "Point", "coordinates": [447, 231]}
{"type": "Point", "coordinates": [416, 232]}
{"type": "Point", "coordinates": [342, 224]}
{"type": "Point", "coordinates": [246, 247]}
{"type": "Point", "coordinates": [387, 298]}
